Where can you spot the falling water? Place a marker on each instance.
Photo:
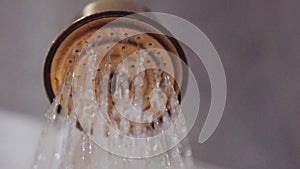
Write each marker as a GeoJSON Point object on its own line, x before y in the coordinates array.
{"type": "Point", "coordinates": [98, 99]}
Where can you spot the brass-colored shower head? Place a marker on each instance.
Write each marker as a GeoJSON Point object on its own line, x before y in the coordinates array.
{"type": "Point", "coordinates": [92, 18]}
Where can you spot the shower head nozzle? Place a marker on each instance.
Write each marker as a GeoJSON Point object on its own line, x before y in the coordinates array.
{"type": "Point", "coordinates": [95, 22]}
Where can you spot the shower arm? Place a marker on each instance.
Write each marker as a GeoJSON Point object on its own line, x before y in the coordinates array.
{"type": "Point", "coordinates": [111, 5]}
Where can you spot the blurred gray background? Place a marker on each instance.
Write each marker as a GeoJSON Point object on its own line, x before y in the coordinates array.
{"type": "Point", "coordinates": [258, 42]}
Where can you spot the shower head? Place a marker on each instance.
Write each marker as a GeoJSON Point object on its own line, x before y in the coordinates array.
{"type": "Point", "coordinates": [95, 16]}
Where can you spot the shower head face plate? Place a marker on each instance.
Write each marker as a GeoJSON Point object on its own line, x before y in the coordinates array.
{"type": "Point", "coordinates": [162, 51]}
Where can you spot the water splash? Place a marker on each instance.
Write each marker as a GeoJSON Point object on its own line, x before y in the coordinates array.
{"type": "Point", "coordinates": [100, 100]}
